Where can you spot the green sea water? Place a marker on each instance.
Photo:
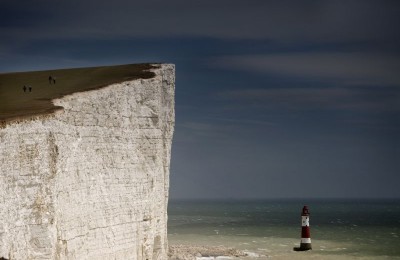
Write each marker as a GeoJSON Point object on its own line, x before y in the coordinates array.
{"type": "Point", "coordinates": [340, 229]}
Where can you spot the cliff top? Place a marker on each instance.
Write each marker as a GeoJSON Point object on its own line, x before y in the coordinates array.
{"type": "Point", "coordinates": [26, 94]}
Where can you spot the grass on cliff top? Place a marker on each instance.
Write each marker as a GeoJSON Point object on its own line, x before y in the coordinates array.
{"type": "Point", "coordinates": [15, 103]}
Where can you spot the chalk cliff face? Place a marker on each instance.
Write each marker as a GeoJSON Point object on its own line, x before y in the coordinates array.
{"type": "Point", "coordinates": [90, 181]}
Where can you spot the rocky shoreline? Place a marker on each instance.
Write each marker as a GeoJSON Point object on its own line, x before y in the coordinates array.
{"type": "Point", "coordinates": [190, 252]}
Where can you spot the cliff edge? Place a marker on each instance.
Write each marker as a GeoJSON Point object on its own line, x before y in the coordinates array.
{"type": "Point", "coordinates": [90, 179]}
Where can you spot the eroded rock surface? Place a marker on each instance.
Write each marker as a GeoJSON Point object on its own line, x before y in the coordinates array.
{"type": "Point", "coordinates": [90, 181]}
{"type": "Point", "coordinates": [192, 252]}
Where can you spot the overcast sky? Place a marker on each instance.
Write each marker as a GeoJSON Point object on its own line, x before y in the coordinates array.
{"type": "Point", "coordinates": [274, 99]}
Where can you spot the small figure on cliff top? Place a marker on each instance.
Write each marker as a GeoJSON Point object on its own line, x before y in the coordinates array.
{"type": "Point", "coordinates": [30, 89]}
{"type": "Point", "coordinates": [24, 88]}
{"type": "Point", "coordinates": [52, 79]}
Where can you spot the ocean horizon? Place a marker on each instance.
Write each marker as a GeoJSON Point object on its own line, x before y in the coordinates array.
{"type": "Point", "coordinates": [265, 228]}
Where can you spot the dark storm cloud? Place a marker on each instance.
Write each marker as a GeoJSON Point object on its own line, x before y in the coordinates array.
{"type": "Point", "coordinates": [14, 16]}
{"type": "Point", "coordinates": [308, 21]}
{"type": "Point", "coordinates": [348, 68]}
{"type": "Point", "coordinates": [359, 99]}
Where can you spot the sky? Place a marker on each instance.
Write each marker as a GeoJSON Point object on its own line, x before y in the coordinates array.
{"type": "Point", "coordinates": [274, 99]}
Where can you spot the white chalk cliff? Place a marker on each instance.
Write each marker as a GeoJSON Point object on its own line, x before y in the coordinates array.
{"type": "Point", "coordinates": [91, 180]}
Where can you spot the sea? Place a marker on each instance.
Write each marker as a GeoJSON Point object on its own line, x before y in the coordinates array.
{"type": "Point", "coordinates": [270, 229]}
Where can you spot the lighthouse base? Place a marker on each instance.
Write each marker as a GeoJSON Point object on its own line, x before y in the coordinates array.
{"type": "Point", "coordinates": [303, 247]}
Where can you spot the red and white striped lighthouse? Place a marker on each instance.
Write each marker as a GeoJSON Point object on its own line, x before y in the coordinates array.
{"type": "Point", "coordinates": [305, 243]}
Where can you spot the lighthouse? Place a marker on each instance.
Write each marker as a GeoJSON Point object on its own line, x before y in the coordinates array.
{"type": "Point", "coordinates": [305, 243]}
